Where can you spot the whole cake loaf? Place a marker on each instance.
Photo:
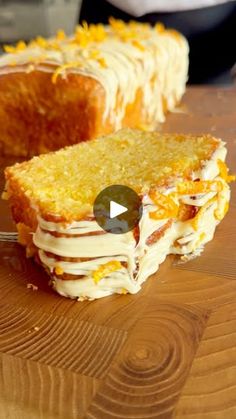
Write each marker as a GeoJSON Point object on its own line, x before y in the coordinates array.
{"type": "Point", "coordinates": [182, 182]}
{"type": "Point", "coordinates": [60, 91]}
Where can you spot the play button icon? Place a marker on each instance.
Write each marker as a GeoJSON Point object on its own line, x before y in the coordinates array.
{"type": "Point", "coordinates": [117, 209]}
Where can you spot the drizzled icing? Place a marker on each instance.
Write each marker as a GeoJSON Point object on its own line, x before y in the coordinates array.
{"type": "Point", "coordinates": [128, 57]}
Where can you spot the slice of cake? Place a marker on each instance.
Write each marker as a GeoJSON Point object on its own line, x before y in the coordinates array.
{"type": "Point", "coordinates": [60, 91]}
{"type": "Point", "coordinates": [181, 180]}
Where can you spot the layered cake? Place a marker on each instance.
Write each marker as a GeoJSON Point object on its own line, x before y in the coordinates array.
{"type": "Point", "coordinates": [181, 180]}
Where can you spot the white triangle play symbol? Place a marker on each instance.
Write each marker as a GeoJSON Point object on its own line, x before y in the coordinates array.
{"type": "Point", "coordinates": [116, 209]}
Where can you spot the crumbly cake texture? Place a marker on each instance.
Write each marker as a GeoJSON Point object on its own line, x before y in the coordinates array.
{"type": "Point", "coordinates": [63, 185]}
{"type": "Point", "coordinates": [59, 91]}
{"type": "Point", "coordinates": [181, 179]}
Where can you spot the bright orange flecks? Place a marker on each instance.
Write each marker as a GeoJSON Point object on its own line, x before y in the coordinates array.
{"type": "Point", "coordinates": [41, 42]}
{"type": "Point", "coordinates": [60, 36]}
{"type": "Point", "coordinates": [198, 187]}
{"type": "Point", "coordinates": [59, 270]}
{"type": "Point", "coordinates": [219, 215]}
{"type": "Point", "coordinates": [224, 171]}
{"type": "Point", "coordinates": [159, 27]}
{"type": "Point", "coordinates": [20, 46]}
{"type": "Point", "coordinates": [166, 206]}
{"type": "Point", "coordinates": [62, 68]}
{"type": "Point", "coordinates": [102, 62]}
{"type": "Point", "coordinates": [138, 45]}
{"type": "Point", "coordinates": [106, 269]}
{"type": "Point", "coordinates": [117, 24]}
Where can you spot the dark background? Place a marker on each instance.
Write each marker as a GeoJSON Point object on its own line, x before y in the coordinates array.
{"type": "Point", "coordinates": [211, 33]}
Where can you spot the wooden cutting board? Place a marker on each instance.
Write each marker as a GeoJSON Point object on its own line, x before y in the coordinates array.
{"type": "Point", "coordinates": [169, 351]}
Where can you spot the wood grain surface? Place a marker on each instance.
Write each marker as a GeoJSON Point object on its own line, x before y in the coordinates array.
{"type": "Point", "coordinates": [169, 351]}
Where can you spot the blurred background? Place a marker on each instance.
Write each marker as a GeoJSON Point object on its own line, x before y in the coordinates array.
{"type": "Point", "coordinates": [209, 25]}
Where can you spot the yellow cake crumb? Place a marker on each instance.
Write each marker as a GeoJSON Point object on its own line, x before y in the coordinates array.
{"type": "Point", "coordinates": [32, 287]}
{"type": "Point", "coordinates": [124, 291]}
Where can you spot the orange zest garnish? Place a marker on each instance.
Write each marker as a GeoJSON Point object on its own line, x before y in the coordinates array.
{"type": "Point", "coordinates": [174, 33]}
{"type": "Point", "coordinates": [85, 34]}
{"type": "Point", "coordinates": [124, 291]}
{"type": "Point", "coordinates": [198, 187]}
{"type": "Point", "coordinates": [202, 236]}
{"type": "Point", "coordinates": [93, 54]}
{"type": "Point", "coordinates": [159, 27]}
{"type": "Point", "coordinates": [20, 46]}
{"type": "Point", "coordinates": [60, 36]}
{"type": "Point", "coordinates": [219, 215]}
{"type": "Point", "coordinates": [106, 269]}
{"type": "Point", "coordinates": [41, 42]}
{"type": "Point", "coordinates": [102, 62]}
{"type": "Point", "coordinates": [117, 24]}
{"type": "Point", "coordinates": [138, 45]}
{"type": "Point", "coordinates": [224, 171]}
{"type": "Point", "coordinates": [130, 31]}
{"type": "Point", "coordinates": [166, 206]}
{"type": "Point", "coordinates": [58, 270]}
{"type": "Point", "coordinates": [64, 67]}
{"type": "Point", "coordinates": [97, 32]}
{"type": "Point", "coordinates": [9, 49]}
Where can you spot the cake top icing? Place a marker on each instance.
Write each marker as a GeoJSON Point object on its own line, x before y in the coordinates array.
{"type": "Point", "coordinates": [122, 57]}
{"type": "Point", "coordinates": [87, 43]}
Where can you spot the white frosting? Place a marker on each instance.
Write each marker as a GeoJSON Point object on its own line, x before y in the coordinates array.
{"type": "Point", "coordinates": [191, 240]}
{"type": "Point", "coordinates": [160, 70]}
{"type": "Point", "coordinates": [179, 238]}
{"type": "Point", "coordinates": [210, 169]}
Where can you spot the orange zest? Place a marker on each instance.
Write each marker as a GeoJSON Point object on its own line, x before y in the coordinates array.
{"type": "Point", "coordinates": [62, 68]}
{"type": "Point", "coordinates": [85, 34]}
{"type": "Point", "coordinates": [166, 206]}
{"type": "Point", "coordinates": [59, 270]}
{"type": "Point", "coordinates": [20, 46]}
{"type": "Point", "coordinates": [138, 45]}
{"type": "Point", "coordinates": [60, 36]}
{"type": "Point", "coordinates": [159, 27]}
{"type": "Point", "coordinates": [199, 187]}
{"type": "Point", "coordinates": [219, 215]}
{"type": "Point", "coordinates": [102, 62]}
{"type": "Point", "coordinates": [105, 269]}
{"type": "Point", "coordinates": [224, 171]}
